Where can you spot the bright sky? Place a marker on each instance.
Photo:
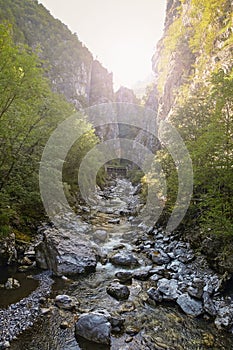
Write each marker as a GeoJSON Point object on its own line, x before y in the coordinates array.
{"type": "Point", "coordinates": [121, 34]}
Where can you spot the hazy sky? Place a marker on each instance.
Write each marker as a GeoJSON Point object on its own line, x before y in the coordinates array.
{"type": "Point", "coordinates": [121, 34]}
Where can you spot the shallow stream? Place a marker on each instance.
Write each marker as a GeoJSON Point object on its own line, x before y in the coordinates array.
{"type": "Point", "coordinates": [147, 326]}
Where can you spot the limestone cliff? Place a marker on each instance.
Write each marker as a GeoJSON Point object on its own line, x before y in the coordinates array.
{"type": "Point", "coordinates": [101, 85]}
{"type": "Point", "coordinates": [68, 63]}
{"type": "Point", "coordinates": [124, 94]}
{"type": "Point", "coordinates": [197, 39]}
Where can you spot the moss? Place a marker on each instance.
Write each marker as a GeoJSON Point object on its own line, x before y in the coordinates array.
{"type": "Point", "coordinates": [22, 236]}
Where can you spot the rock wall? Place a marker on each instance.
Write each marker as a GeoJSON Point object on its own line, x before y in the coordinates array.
{"type": "Point", "coordinates": [69, 65]}
{"type": "Point", "coordinates": [196, 40]}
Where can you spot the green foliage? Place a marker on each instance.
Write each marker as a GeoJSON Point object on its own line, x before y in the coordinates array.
{"type": "Point", "coordinates": [205, 122]}
{"type": "Point", "coordinates": [73, 161]}
{"type": "Point", "coordinates": [62, 52]}
{"type": "Point", "coordinates": [29, 112]}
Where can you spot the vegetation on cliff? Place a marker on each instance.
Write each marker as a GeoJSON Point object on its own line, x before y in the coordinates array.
{"type": "Point", "coordinates": [29, 112]}
{"type": "Point", "coordinates": [197, 97]}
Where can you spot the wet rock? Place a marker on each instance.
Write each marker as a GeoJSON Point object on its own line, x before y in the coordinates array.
{"type": "Point", "coordinates": [117, 324]}
{"type": "Point", "coordinates": [150, 230]}
{"type": "Point", "coordinates": [118, 291]}
{"type": "Point", "coordinates": [100, 235]}
{"type": "Point", "coordinates": [124, 276]}
{"type": "Point", "coordinates": [94, 327]}
{"type": "Point", "coordinates": [128, 339]}
{"type": "Point", "coordinates": [65, 302]}
{"type": "Point", "coordinates": [189, 305]}
{"type": "Point", "coordinates": [154, 294]}
{"type": "Point", "coordinates": [12, 283]}
{"type": "Point", "coordinates": [114, 221]}
{"type": "Point", "coordinates": [65, 253]}
{"type": "Point", "coordinates": [159, 257]}
{"type": "Point", "coordinates": [124, 259]}
{"type": "Point", "coordinates": [141, 275]}
{"type": "Point", "coordinates": [158, 270]}
{"type": "Point", "coordinates": [168, 288]}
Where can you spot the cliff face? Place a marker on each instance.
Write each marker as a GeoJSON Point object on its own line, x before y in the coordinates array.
{"type": "Point", "coordinates": [197, 39]}
{"type": "Point", "coordinates": [101, 85]}
{"type": "Point", "coordinates": [68, 63]}
{"type": "Point", "coordinates": [126, 95]}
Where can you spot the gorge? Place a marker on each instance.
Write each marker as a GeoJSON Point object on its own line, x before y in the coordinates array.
{"type": "Point", "coordinates": [90, 273]}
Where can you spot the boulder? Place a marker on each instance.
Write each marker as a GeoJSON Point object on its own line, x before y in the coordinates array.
{"type": "Point", "coordinates": [189, 305]}
{"type": "Point", "coordinates": [118, 291]}
{"type": "Point", "coordinates": [168, 288]}
{"type": "Point", "coordinates": [124, 259]}
{"type": "Point", "coordinates": [65, 253]}
{"type": "Point", "coordinates": [94, 327]}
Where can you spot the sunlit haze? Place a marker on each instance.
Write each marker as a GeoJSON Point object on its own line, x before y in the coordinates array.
{"type": "Point", "coordinates": [121, 34]}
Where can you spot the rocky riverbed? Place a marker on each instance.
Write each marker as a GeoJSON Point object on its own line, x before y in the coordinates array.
{"type": "Point", "coordinates": [145, 289]}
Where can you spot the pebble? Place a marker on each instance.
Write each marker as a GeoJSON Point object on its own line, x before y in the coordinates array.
{"type": "Point", "coordinates": [22, 315]}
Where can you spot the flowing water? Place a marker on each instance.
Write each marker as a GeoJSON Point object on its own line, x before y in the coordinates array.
{"type": "Point", "coordinates": [154, 327]}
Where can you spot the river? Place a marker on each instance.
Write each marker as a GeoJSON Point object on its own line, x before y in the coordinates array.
{"type": "Point", "coordinates": [148, 325]}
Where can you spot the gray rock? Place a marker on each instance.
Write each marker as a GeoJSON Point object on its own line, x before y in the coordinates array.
{"type": "Point", "coordinates": [169, 288]}
{"type": "Point", "coordinates": [155, 277]}
{"type": "Point", "coordinates": [12, 283]}
{"type": "Point", "coordinates": [209, 306]}
{"type": "Point", "coordinates": [154, 294]}
{"type": "Point", "coordinates": [124, 259]}
{"type": "Point", "coordinates": [100, 235]}
{"type": "Point", "coordinates": [141, 275]}
{"type": "Point", "coordinates": [196, 290]}
{"type": "Point", "coordinates": [118, 291]}
{"type": "Point", "coordinates": [65, 302]}
{"type": "Point", "coordinates": [124, 276]}
{"type": "Point", "coordinates": [4, 345]}
{"type": "Point", "coordinates": [65, 253]}
{"type": "Point", "coordinates": [176, 266]}
{"type": "Point", "coordinates": [224, 319]}
{"type": "Point", "coordinates": [189, 305]}
{"type": "Point", "coordinates": [158, 270]}
{"type": "Point", "coordinates": [159, 257]}
{"type": "Point", "coordinates": [94, 327]}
